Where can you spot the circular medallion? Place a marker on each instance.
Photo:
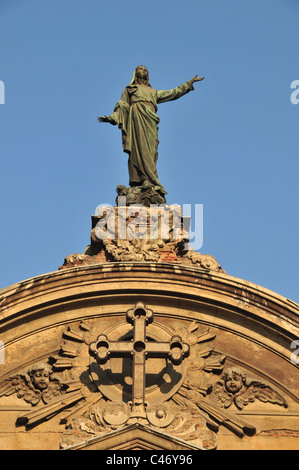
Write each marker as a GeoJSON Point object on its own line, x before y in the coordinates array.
{"type": "Point", "coordinates": [114, 377]}
{"type": "Point", "coordinates": [160, 414]}
{"type": "Point", "coordinates": [116, 413]}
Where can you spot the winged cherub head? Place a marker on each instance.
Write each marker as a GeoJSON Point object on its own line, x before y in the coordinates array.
{"type": "Point", "coordinates": [234, 379]}
{"type": "Point", "coordinates": [40, 374]}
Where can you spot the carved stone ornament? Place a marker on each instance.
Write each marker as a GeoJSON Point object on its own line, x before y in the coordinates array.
{"type": "Point", "coordinates": [47, 392]}
{"type": "Point", "coordinates": [158, 233]}
{"type": "Point", "coordinates": [108, 376]}
{"type": "Point", "coordinates": [145, 194]}
{"type": "Point", "coordinates": [236, 388]}
{"type": "Point", "coordinates": [37, 384]}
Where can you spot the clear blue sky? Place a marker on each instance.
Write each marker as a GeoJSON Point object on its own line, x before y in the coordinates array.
{"type": "Point", "coordinates": [231, 145]}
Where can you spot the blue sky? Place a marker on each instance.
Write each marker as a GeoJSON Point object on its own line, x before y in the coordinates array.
{"type": "Point", "coordinates": [231, 145]}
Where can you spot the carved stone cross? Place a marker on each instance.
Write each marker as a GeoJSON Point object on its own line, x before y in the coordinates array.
{"type": "Point", "coordinates": [139, 348]}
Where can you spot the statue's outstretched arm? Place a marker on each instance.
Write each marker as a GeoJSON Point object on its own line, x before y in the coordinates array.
{"type": "Point", "coordinates": [120, 112]}
{"type": "Point", "coordinates": [177, 92]}
{"type": "Point", "coordinates": [106, 119]}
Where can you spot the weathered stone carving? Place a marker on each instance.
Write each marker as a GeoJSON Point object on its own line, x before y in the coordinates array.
{"type": "Point", "coordinates": [139, 349]}
{"type": "Point", "coordinates": [36, 384]}
{"type": "Point", "coordinates": [144, 234]}
{"type": "Point", "coordinates": [145, 194]}
{"type": "Point", "coordinates": [133, 250]}
{"type": "Point", "coordinates": [169, 418]}
{"type": "Point", "coordinates": [112, 375]}
{"type": "Point", "coordinates": [178, 406]}
{"type": "Point", "coordinates": [235, 387]}
{"type": "Point", "coordinates": [39, 385]}
{"type": "Point", "coordinates": [184, 412]}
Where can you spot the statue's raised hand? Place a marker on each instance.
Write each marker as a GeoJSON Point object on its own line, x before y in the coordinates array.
{"type": "Point", "coordinates": [107, 119]}
{"type": "Point", "coordinates": [196, 79]}
{"type": "Point", "coordinates": [103, 119]}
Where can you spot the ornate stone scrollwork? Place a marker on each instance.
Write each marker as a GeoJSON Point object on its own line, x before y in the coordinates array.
{"type": "Point", "coordinates": [158, 233]}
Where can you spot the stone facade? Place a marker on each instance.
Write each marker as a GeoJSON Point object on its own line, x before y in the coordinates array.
{"type": "Point", "coordinates": [146, 354]}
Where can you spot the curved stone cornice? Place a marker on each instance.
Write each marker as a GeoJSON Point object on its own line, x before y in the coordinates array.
{"type": "Point", "coordinates": [215, 297]}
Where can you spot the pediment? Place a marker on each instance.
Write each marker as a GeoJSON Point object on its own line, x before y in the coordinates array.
{"type": "Point", "coordinates": [135, 437]}
{"type": "Point", "coordinates": [194, 385]}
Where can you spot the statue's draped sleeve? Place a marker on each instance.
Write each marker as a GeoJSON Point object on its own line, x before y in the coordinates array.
{"type": "Point", "coordinates": [121, 113]}
{"type": "Point", "coordinates": [175, 93]}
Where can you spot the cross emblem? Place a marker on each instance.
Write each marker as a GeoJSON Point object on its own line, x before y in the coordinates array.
{"type": "Point", "coordinates": [139, 348]}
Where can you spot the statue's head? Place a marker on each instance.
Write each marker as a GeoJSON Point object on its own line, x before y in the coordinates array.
{"type": "Point", "coordinates": [234, 379]}
{"type": "Point", "coordinates": [141, 75]}
{"type": "Point", "coordinates": [142, 72]}
{"type": "Point", "coordinates": [40, 375]}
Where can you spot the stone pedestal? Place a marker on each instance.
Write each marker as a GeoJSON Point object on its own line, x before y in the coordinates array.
{"type": "Point", "coordinates": [158, 233]}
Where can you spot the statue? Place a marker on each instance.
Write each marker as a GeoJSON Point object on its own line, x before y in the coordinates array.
{"type": "Point", "coordinates": [135, 114]}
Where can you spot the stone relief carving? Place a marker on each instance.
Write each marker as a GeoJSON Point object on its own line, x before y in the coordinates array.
{"type": "Point", "coordinates": [145, 194]}
{"type": "Point", "coordinates": [236, 388]}
{"type": "Point", "coordinates": [93, 379]}
{"type": "Point", "coordinates": [156, 234]}
{"type": "Point", "coordinates": [133, 250]}
{"type": "Point", "coordinates": [36, 384]}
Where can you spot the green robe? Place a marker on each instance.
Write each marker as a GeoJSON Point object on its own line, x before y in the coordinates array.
{"type": "Point", "coordinates": [135, 114]}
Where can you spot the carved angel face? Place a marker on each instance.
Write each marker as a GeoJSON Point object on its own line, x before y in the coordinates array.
{"type": "Point", "coordinates": [233, 382]}
{"type": "Point", "coordinates": [41, 379]}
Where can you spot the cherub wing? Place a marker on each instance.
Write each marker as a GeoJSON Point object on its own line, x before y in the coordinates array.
{"type": "Point", "coordinates": [259, 391]}
{"type": "Point", "coordinates": [220, 396]}
{"type": "Point", "coordinates": [13, 384]}
{"type": "Point", "coordinates": [19, 384]}
{"type": "Point", "coordinates": [217, 415]}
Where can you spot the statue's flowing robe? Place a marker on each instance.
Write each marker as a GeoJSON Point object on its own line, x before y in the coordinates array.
{"type": "Point", "coordinates": [135, 114]}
